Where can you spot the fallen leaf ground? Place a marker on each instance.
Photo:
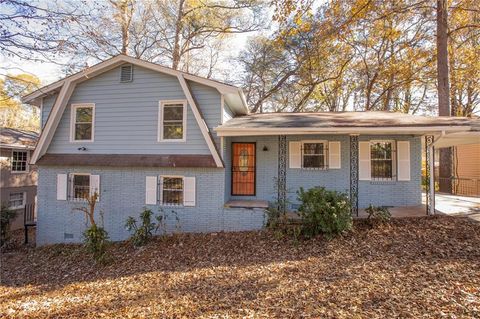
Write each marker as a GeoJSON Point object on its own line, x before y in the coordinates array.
{"type": "Point", "coordinates": [417, 267]}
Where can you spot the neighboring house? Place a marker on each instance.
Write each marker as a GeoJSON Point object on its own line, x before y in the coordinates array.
{"type": "Point", "coordinates": [18, 179]}
{"type": "Point", "coordinates": [466, 170]}
{"type": "Point", "coordinates": [143, 135]}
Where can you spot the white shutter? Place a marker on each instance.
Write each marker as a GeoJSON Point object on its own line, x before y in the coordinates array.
{"type": "Point", "coordinates": [189, 191]}
{"type": "Point", "coordinates": [403, 157]}
{"type": "Point", "coordinates": [62, 180]}
{"type": "Point", "coordinates": [364, 163]}
{"type": "Point", "coordinates": [151, 190]}
{"type": "Point", "coordinates": [295, 154]}
{"type": "Point", "coordinates": [334, 157]}
{"type": "Point", "coordinates": [95, 185]}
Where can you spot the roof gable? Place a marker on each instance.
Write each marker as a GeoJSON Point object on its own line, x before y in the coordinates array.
{"type": "Point", "coordinates": [233, 95]}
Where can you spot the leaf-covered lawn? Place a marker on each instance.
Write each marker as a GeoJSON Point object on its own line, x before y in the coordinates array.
{"type": "Point", "coordinates": [422, 267]}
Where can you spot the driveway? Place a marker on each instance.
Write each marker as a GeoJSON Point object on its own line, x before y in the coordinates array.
{"type": "Point", "coordinates": [454, 205]}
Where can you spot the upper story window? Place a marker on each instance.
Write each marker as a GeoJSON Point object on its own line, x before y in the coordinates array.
{"type": "Point", "coordinates": [314, 155]}
{"type": "Point", "coordinates": [82, 126]}
{"type": "Point", "coordinates": [382, 156]}
{"type": "Point", "coordinates": [19, 161]}
{"type": "Point", "coordinates": [172, 121]}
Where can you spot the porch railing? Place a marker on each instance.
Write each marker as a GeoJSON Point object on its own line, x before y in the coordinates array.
{"type": "Point", "coordinates": [462, 186]}
{"type": "Point", "coordinates": [29, 218]}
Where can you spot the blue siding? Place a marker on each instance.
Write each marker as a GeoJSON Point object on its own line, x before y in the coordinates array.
{"type": "Point", "coordinates": [227, 113]}
{"type": "Point", "coordinates": [123, 194]}
{"type": "Point", "coordinates": [48, 102]}
{"type": "Point", "coordinates": [210, 104]}
{"type": "Point", "coordinates": [126, 115]}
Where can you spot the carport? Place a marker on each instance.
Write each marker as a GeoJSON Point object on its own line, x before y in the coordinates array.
{"type": "Point", "coordinates": [450, 139]}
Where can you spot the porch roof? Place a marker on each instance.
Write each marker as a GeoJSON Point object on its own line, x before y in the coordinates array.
{"type": "Point", "coordinates": [372, 122]}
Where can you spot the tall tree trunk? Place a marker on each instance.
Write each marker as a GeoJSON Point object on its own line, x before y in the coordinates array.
{"type": "Point", "coordinates": [445, 168]}
{"type": "Point", "coordinates": [178, 31]}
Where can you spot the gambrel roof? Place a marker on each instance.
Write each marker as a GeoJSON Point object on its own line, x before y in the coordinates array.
{"type": "Point", "coordinates": [233, 95]}
{"type": "Point", "coordinates": [65, 87]}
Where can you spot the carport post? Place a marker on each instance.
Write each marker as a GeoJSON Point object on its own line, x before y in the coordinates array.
{"type": "Point", "coordinates": [430, 172]}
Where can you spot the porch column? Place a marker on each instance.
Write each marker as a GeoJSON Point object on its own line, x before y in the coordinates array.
{"type": "Point", "coordinates": [430, 175]}
{"type": "Point", "coordinates": [282, 173]}
{"type": "Point", "coordinates": [354, 173]}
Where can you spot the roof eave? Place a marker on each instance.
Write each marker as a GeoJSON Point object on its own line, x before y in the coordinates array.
{"type": "Point", "coordinates": [418, 130]}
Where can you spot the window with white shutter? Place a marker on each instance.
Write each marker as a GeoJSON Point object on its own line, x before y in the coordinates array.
{"type": "Point", "coordinates": [364, 164]}
{"type": "Point", "coordinates": [189, 191]}
{"type": "Point", "coordinates": [295, 154]}
{"type": "Point", "coordinates": [403, 156]}
{"type": "Point", "coordinates": [62, 182]}
{"type": "Point", "coordinates": [334, 155]}
{"type": "Point", "coordinates": [151, 190]}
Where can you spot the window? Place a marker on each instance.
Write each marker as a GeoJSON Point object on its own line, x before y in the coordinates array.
{"type": "Point", "coordinates": [80, 186]}
{"type": "Point", "coordinates": [19, 161]}
{"type": "Point", "coordinates": [172, 190]}
{"type": "Point", "coordinates": [313, 155]}
{"type": "Point", "coordinates": [172, 121]}
{"type": "Point", "coordinates": [382, 160]}
{"type": "Point", "coordinates": [16, 200]}
{"type": "Point", "coordinates": [83, 122]}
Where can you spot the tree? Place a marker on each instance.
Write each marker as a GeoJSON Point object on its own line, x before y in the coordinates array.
{"type": "Point", "coordinates": [33, 30]}
{"type": "Point", "coordinates": [186, 34]}
{"type": "Point", "coordinates": [445, 168]}
{"type": "Point", "coordinates": [12, 112]}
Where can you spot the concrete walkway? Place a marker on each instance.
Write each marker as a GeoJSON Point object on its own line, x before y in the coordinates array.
{"type": "Point", "coordinates": [454, 205]}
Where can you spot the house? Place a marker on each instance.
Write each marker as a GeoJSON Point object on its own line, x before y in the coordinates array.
{"type": "Point", "coordinates": [143, 135]}
{"type": "Point", "coordinates": [466, 170]}
{"type": "Point", "coordinates": [18, 179]}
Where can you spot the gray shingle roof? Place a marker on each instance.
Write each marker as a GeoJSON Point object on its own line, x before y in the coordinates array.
{"type": "Point", "coordinates": [371, 119]}
{"type": "Point", "coordinates": [11, 138]}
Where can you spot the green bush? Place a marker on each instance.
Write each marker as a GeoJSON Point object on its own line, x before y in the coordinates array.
{"type": "Point", "coordinates": [378, 215]}
{"type": "Point", "coordinates": [324, 212]}
{"type": "Point", "coordinates": [6, 217]}
{"type": "Point", "coordinates": [143, 232]}
{"type": "Point", "coordinates": [96, 241]}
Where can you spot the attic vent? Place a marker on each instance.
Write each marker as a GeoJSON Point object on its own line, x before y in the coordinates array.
{"type": "Point", "coordinates": [126, 73]}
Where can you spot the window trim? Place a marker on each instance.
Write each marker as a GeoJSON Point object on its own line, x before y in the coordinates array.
{"type": "Point", "coordinates": [27, 168]}
{"type": "Point", "coordinates": [394, 161]}
{"type": "Point", "coordinates": [72, 185]}
{"type": "Point", "coordinates": [161, 106]}
{"type": "Point", "coordinates": [73, 120]}
{"type": "Point", "coordinates": [160, 189]}
{"type": "Point", "coordinates": [24, 200]}
{"type": "Point", "coordinates": [325, 154]}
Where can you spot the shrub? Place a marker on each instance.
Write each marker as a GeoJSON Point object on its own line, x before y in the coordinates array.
{"type": "Point", "coordinates": [95, 237]}
{"type": "Point", "coordinates": [6, 217]}
{"type": "Point", "coordinates": [324, 212]}
{"type": "Point", "coordinates": [378, 215]}
{"type": "Point", "coordinates": [143, 232]}
{"type": "Point", "coordinates": [96, 241]}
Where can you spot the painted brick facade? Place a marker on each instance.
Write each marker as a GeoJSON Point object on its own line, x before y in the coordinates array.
{"type": "Point", "coordinates": [394, 193]}
{"type": "Point", "coordinates": [123, 194]}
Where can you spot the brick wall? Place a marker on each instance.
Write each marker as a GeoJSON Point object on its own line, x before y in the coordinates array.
{"type": "Point", "coordinates": [123, 194]}
{"type": "Point", "coordinates": [395, 193]}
